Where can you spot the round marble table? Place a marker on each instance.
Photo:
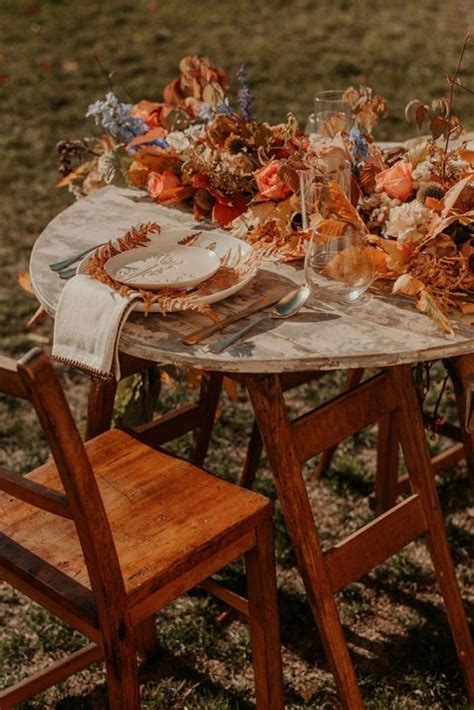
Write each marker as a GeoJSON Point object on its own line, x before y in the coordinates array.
{"type": "Point", "coordinates": [385, 332]}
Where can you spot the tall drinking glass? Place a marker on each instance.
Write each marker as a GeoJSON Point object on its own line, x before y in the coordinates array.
{"type": "Point", "coordinates": [332, 114]}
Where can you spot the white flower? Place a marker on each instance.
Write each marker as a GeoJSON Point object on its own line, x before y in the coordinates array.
{"type": "Point", "coordinates": [408, 222]}
{"type": "Point", "coordinates": [423, 171]}
{"type": "Point", "coordinates": [183, 141]}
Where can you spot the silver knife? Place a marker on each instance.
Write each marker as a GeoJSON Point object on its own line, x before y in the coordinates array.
{"type": "Point", "coordinates": [203, 333]}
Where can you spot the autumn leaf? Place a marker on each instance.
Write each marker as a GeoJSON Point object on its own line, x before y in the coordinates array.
{"type": "Point", "coordinates": [25, 281]}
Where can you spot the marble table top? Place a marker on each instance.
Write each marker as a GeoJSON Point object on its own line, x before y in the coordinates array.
{"type": "Point", "coordinates": [381, 331]}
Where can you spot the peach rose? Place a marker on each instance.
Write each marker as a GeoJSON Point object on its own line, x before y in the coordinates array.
{"type": "Point", "coordinates": [396, 181]}
{"type": "Point", "coordinates": [269, 183]}
{"type": "Point", "coordinates": [166, 187]}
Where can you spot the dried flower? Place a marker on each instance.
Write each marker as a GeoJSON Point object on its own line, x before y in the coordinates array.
{"type": "Point", "coordinates": [245, 95]}
{"type": "Point", "coordinates": [269, 182]}
{"type": "Point", "coordinates": [116, 118]}
{"type": "Point", "coordinates": [396, 181]}
{"type": "Point", "coordinates": [429, 189]}
{"type": "Point", "coordinates": [409, 222]}
{"type": "Point", "coordinates": [167, 188]}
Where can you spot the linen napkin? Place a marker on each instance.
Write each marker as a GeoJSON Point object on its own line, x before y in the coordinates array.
{"type": "Point", "coordinates": [89, 319]}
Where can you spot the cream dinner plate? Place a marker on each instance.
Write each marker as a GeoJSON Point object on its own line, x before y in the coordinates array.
{"type": "Point", "coordinates": [221, 243]}
{"type": "Point", "coordinates": [168, 266]}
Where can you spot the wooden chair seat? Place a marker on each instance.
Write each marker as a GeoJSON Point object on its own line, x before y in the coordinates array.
{"type": "Point", "coordinates": [148, 496]}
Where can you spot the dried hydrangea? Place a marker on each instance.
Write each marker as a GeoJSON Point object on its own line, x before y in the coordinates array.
{"type": "Point", "coordinates": [183, 141]}
{"type": "Point", "coordinates": [376, 209]}
{"type": "Point", "coordinates": [409, 222]}
{"type": "Point", "coordinates": [423, 171]}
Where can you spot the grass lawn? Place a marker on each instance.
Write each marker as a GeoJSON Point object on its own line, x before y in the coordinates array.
{"type": "Point", "coordinates": [48, 75]}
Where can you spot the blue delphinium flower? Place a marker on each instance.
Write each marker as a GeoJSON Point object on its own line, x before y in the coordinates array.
{"type": "Point", "coordinates": [360, 147]}
{"type": "Point", "coordinates": [205, 112]}
{"type": "Point", "coordinates": [115, 118]}
{"type": "Point", "coordinates": [224, 107]}
{"type": "Point", "coordinates": [245, 95]}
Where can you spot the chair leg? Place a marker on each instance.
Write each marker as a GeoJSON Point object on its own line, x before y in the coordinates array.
{"type": "Point", "coordinates": [100, 406]}
{"type": "Point", "coordinates": [417, 458]}
{"type": "Point", "coordinates": [352, 380]}
{"type": "Point", "coordinates": [386, 476]}
{"type": "Point", "coordinates": [146, 637]}
{"type": "Point", "coordinates": [211, 388]}
{"type": "Point", "coordinates": [264, 620]}
{"type": "Point", "coordinates": [122, 674]}
{"type": "Point", "coordinates": [252, 458]}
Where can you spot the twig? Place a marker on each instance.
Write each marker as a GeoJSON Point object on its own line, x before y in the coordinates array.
{"type": "Point", "coordinates": [452, 82]}
{"type": "Point", "coordinates": [463, 86]}
{"type": "Point", "coordinates": [109, 75]}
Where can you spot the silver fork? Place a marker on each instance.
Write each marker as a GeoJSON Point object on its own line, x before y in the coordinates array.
{"type": "Point", "coordinates": [63, 264]}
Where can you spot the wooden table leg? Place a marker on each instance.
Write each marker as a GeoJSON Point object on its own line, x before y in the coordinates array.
{"type": "Point", "coordinates": [269, 406]}
{"type": "Point", "coordinates": [460, 369]}
{"type": "Point", "coordinates": [252, 458]}
{"type": "Point", "coordinates": [211, 388]}
{"type": "Point", "coordinates": [353, 378]}
{"type": "Point", "coordinates": [100, 406]}
{"type": "Point", "coordinates": [386, 475]}
{"type": "Point", "coordinates": [417, 458]}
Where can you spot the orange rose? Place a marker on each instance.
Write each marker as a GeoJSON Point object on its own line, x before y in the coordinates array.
{"type": "Point", "coordinates": [269, 183]}
{"type": "Point", "coordinates": [396, 181]}
{"type": "Point", "coordinates": [166, 188]}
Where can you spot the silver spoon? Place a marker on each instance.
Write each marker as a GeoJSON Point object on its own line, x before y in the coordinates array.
{"type": "Point", "coordinates": [286, 307]}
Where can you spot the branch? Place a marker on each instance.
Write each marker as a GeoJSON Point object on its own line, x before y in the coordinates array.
{"type": "Point", "coordinates": [452, 82]}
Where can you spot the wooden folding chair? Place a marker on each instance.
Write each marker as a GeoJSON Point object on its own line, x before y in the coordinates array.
{"type": "Point", "coordinates": [113, 530]}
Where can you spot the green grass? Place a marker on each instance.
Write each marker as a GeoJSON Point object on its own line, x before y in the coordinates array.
{"type": "Point", "coordinates": [48, 75]}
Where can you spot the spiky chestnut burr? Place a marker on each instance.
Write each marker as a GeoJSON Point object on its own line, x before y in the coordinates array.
{"type": "Point", "coordinates": [430, 189]}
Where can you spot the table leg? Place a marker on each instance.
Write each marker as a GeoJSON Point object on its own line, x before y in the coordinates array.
{"type": "Point", "coordinates": [418, 462]}
{"type": "Point", "coordinates": [100, 406]}
{"type": "Point", "coordinates": [386, 476]}
{"type": "Point", "coordinates": [353, 378]}
{"type": "Point", "coordinates": [211, 388]}
{"type": "Point", "coordinates": [267, 399]}
{"type": "Point", "coordinates": [460, 369]}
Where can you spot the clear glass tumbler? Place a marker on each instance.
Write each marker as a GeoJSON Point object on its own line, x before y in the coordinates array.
{"type": "Point", "coordinates": [339, 268]}
{"type": "Point", "coordinates": [332, 113]}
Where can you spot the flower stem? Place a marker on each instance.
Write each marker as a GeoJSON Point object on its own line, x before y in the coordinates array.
{"type": "Point", "coordinates": [452, 82]}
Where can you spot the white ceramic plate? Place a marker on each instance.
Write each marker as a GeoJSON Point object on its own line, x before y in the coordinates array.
{"type": "Point", "coordinates": [169, 266]}
{"type": "Point", "coordinates": [221, 242]}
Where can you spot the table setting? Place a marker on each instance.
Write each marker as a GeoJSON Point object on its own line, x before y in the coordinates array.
{"type": "Point", "coordinates": [205, 239]}
{"type": "Point", "coordinates": [346, 219]}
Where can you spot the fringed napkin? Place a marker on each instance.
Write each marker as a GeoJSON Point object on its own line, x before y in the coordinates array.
{"type": "Point", "coordinates": [89, 319]}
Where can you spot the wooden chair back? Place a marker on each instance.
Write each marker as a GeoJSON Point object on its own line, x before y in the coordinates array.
{"type": "Point", "coordinates": [32, 378]}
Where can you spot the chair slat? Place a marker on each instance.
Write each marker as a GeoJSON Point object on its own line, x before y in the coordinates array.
{"type": "Point", "coordinates": [56, 591]}
{"type": "Point", "coordinates": [34, 493]}
{"type": "Point", "coordinates": [58, 672]}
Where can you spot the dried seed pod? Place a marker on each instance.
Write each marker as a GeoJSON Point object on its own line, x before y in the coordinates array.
{"type": "Point", "coordinates": [430, 189]}
{"type": "Point", "coordinates": [204, 200]}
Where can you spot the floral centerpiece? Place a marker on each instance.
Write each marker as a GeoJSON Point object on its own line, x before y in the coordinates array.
{"type": "Point", "coordinates": [415, 202]}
